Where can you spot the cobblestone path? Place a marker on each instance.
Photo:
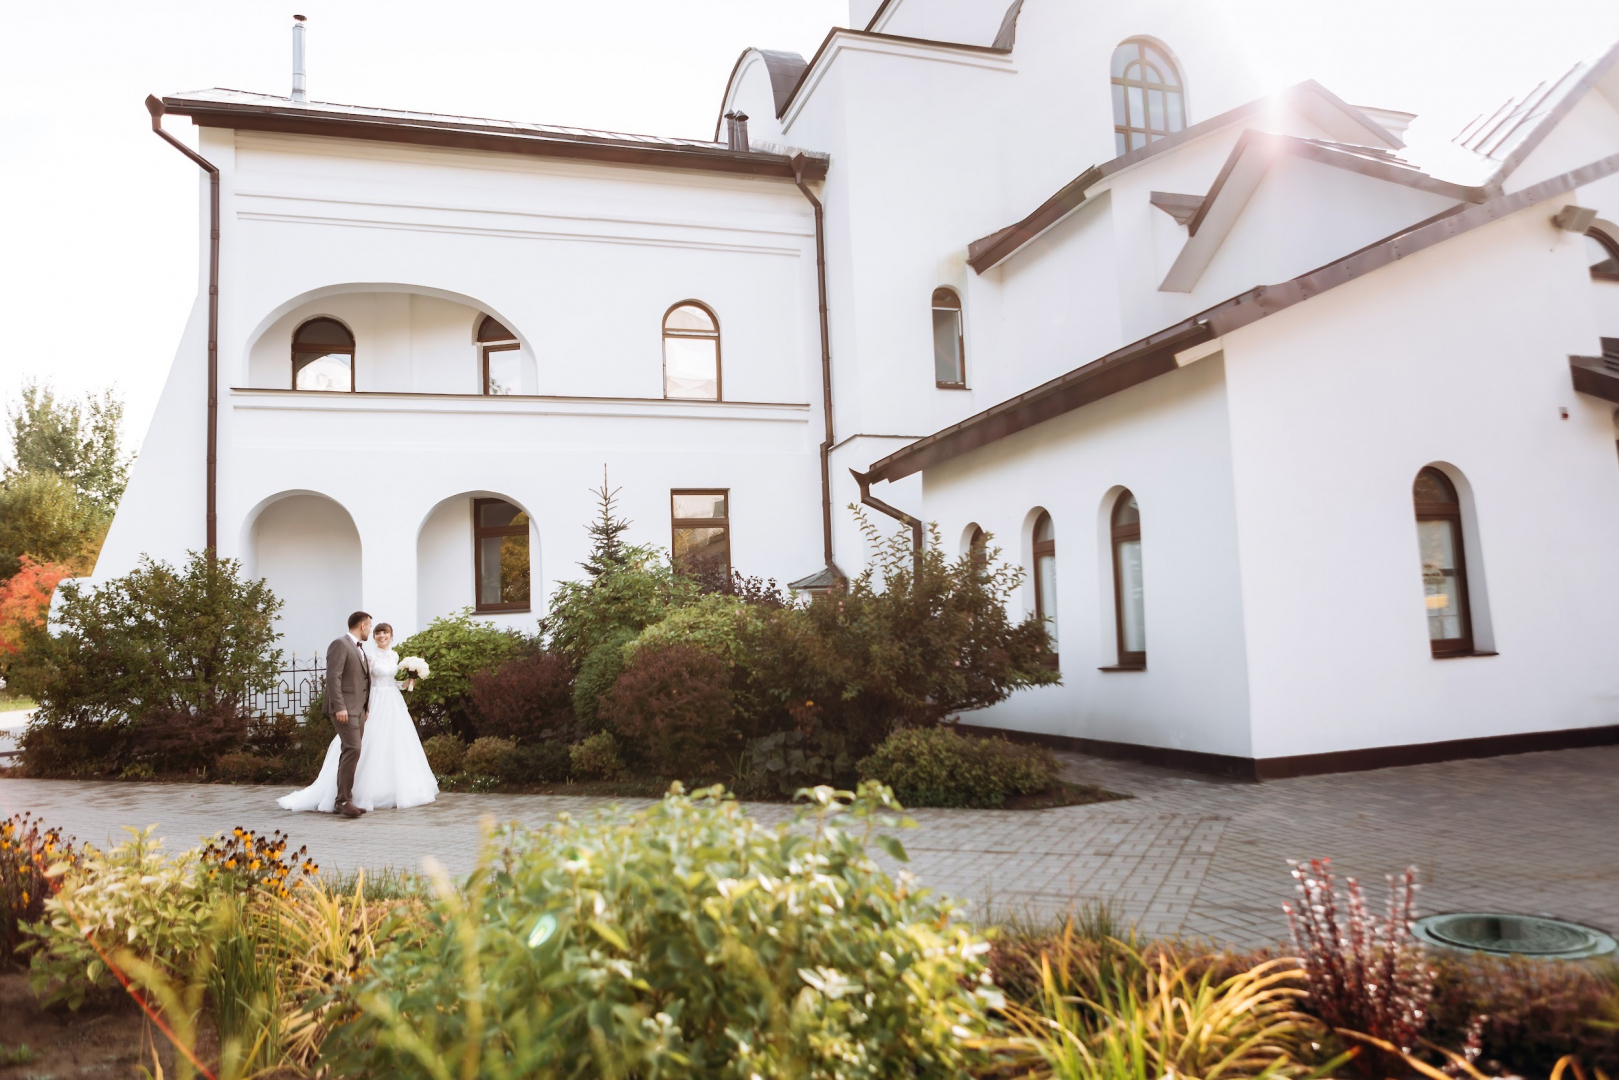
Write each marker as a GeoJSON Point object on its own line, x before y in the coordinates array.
{"type": "Point", "coordinates": [1536, 833]}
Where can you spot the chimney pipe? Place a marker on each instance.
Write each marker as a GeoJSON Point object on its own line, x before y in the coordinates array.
{"type": "Point", "coordinates": [299, 91]}
{"type": "Point", "coordinates": [736, 131]}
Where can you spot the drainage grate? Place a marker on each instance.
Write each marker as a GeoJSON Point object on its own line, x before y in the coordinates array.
{"type": "Point", "coordinates": [1513, 935]}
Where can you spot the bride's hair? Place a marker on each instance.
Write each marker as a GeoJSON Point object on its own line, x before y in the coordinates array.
{"type": "Point", "coordinates": [380, 627]}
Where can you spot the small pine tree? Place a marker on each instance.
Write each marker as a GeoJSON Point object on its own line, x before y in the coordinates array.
{"type": "Point", "coordinates": [607, 550]}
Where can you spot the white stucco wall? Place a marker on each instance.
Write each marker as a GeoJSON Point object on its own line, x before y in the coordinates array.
{"type": "Point", "coordinates": [307, 549]}
{"type": "Point", "coordinates": [1168, 442]}
{"type": "Point", "coordinates": [1457, 355]}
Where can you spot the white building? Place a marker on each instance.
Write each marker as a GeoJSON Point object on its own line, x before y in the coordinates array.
{"type": "Point", "coordinates": [1191, 356]}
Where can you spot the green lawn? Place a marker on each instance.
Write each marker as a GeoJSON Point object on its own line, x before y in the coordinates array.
{"type": "Point", "coordinates": [12, 704]}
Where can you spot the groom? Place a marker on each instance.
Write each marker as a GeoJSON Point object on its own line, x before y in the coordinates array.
{"type": "Point", "coordinates": [348, 699]}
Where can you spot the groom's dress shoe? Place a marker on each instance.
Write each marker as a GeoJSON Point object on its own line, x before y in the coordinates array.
{"type": "Point", "coordinates": [350, 810]}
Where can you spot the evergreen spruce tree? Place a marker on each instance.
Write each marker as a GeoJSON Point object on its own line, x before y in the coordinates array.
{"type": "Point", "coordinates": [607, 550]}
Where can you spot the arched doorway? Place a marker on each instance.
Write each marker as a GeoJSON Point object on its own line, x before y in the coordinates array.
{"type": "Point", "coordinates": [306, 546]}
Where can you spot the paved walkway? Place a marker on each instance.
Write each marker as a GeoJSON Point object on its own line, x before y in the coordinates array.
{"type": "Point", "coordinates": [1535, 833]}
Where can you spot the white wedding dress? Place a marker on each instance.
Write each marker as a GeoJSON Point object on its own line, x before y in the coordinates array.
{"type": "Point", "coordinates": [393, 770]}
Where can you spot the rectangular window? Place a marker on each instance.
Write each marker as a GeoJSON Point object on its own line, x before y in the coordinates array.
{"type": "Point", "coordinates": [500, 554]}
{"type": "Point", "coordinates": [502, 369]}
{"type": "Point", "coordinates": [701, 524]}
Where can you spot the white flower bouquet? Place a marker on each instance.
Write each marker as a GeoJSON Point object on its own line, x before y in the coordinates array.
{"type": "Point", "coordinates": [412, 668]}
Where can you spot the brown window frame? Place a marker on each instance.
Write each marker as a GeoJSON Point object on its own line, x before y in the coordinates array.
{"type": "Point", "coordinates": [719, 358]}
{"type": "Point", "coordinates": [676, 524]}
{"type": "Point", "coordinates": [1127, 660]}
{"type": "Point", "coordinates": [961, 336]}
{"type": "Point", "coordinates": [1609, 244]}
{"type": "Point", "coordinates": [311, 350]}
{"type": "Point", "coordinates": [1442, 648]}
{"type": "Point", "coordinates": [1122, 124]}
{"type": "Point", "coordinates": [487, 345]}
{"type": "Point", "coordinates": [1042, 548]}
{"type": "Point", "coordinates": [479, 532]}
{"type": "Point", "coordinates": [978, 548]}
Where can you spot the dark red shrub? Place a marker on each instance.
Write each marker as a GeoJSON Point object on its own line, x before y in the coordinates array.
{"type": "Point", "coordinates": [526, 699]}
{"type": "Point", "coordinates": [186, 739]}
{"type": "Point", "coordinates": [673, 710]}
{"type": "Point", "coordinates": [1528, 1013]}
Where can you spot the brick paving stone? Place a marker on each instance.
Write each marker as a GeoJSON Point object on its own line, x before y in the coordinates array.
{"type": "Point", "coordinates": [1187, 855]}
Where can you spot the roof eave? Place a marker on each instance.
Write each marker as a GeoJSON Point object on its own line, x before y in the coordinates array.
{"type": "Point", "coordinates": [465, 136]}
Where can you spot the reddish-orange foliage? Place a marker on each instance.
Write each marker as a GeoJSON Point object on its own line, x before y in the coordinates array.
{"type": "Point", "coordinates": [25, 597]}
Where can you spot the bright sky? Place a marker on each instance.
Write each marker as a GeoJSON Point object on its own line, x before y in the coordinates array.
{"type": "Point", "coordinates": [98, 217]}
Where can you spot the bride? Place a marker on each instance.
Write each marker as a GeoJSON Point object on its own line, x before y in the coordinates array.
{"type": "Point", "coordinates": [393, 770]}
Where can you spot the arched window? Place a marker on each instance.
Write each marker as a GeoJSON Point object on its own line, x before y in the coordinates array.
{"type": "Point", "coordinates": [691, 353]}
{"type": "Point", "coordinates": [1602, 252]}
{"type": "Point", "coordinates": [323, 356]}
{"type": "Point", "coordinates": [1130, 609]}
{"type": "Point", "coordinates": [500, 555]}
{"type": "Point", "coordinates": [1149, 99]}
{"type": "Point", "coordinates": [978, 547]}
{"type": "Point", "coordinates": [1444, 568]}
{"type": "Point", "coordinates": [1045, 577]}
{"type": "Point", "coordinates": [949, 348]}
{"type": "Point", "coordinates": [502, 358]}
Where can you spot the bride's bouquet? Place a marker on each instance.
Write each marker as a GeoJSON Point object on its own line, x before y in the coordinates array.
{"type": "Point", "coordinates": [412, 668]}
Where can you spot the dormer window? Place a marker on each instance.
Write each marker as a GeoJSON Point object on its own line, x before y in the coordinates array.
{"type": "Point", "coordinates": [1149, 97]}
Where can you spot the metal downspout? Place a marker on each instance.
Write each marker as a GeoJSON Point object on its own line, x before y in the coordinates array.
{"type": "Point", "coordinates": [826, 368]}
{"type": "Point", "coordinates": [155, 107]}
{"type": "Point", "coordinates": [866, 497]}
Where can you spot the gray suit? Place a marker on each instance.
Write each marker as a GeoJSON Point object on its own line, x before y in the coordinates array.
{"type": "Point", "coordinates": [348, 687]}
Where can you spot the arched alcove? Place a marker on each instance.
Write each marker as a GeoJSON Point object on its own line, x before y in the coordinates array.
{"type": "Point", "coordinates": [471, 551]}
{"type": "Point", "coordinates": [306, 546]}
{"type": "Point", "coordinates": [406, 338]}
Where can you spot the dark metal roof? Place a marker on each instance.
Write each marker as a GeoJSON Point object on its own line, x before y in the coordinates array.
{"type": "Point", "coordinates": [988, 251]}
{"type": "Point", "coordinates": [784, 68]}
{"type": "Point", "coordinates": [1154, 354]}
{"type": "Point", "coordinates": [242, 110]}
{"type": "Point", "coordinates": [824, 578]}
{"type": "Point", "coordinates": [1510, 133]}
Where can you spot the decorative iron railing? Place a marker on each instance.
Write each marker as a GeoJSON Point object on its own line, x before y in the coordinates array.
{"type": "Point", "coordinates": [295, 686]}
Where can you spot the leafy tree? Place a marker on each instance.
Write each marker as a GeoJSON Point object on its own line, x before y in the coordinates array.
{"type": "Point", "coordinates": [78, 441]}
{"type": "Point", "coordinates": [24, 600]}
{"type": "Point", "coordinates": [160, 648]}
{"type": "Point", "coordinates": [43, 515]}
{"type": "Point", "coordinates": [625, 598]}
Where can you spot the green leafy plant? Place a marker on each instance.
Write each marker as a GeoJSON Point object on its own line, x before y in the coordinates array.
{"type": "Point", "coordinates": [489, 757]}
{"type": "Point", "coordinates": [173, 651]}
{"type": "Point", "coordinates": [456, 647]}
{"type": "Point", "coordinates": [624, 598]}
{"type": "Point", "coordinates": [940, 767]}
{"type": "Point", "coordinates": [597, 674]}
{"type": "Point", "coordinates": [445, 753]}
{"type": "Point", "coordinates": [595, 757]}
{"type": "Point", "coordinates": [683, 941]}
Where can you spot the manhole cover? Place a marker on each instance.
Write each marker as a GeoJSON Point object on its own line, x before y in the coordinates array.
{"type": "Point", "coordinates": [1509, 935]}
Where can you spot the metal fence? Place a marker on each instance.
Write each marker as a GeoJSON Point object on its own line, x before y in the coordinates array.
{"type": "Point", "coordinates": [295, 686]}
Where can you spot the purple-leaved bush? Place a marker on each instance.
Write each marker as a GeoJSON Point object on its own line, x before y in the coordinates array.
{"type": "Point", "coordinates": [1364, 974]}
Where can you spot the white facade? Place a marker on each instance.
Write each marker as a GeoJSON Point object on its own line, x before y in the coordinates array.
{"type": "Point", "coordinates": [1270, 435]}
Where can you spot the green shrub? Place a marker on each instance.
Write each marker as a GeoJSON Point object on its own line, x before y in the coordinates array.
{"type": "Point", "coordinates": [445, 753]}
{"type": "Point", "coordinates": [714, 624]}
{"type": "Point", "coordinates": [596, 757]}
{"type": "Point", "coordinates": [154, 664]}
{"type": "Point", "coordinates": [597, 674]}
{"type": "Point", "coordinates": [783, 762]}
{"type": "Point", "coordinates": [548, 762]}
{"type": "Point", "coordinates": [625, 598]}
{"type": "Point", "coordinates": [456, 647]}
{"type": "Point", "coordinates": [672, 710]}
{"type": "Point", "coordinates": [685, 941]}
{"type": "Point", "coordinates": [489, 756]}
{"type": "Point", "coordinates": [939, 766]}
{"type": "Point", "coordinates": [156, 908]}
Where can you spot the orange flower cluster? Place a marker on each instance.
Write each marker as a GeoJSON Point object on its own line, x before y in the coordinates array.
{"type": "Point", "coordinates": [27, 850]}
{"type": "Point", "coordinates": [262, 863]}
